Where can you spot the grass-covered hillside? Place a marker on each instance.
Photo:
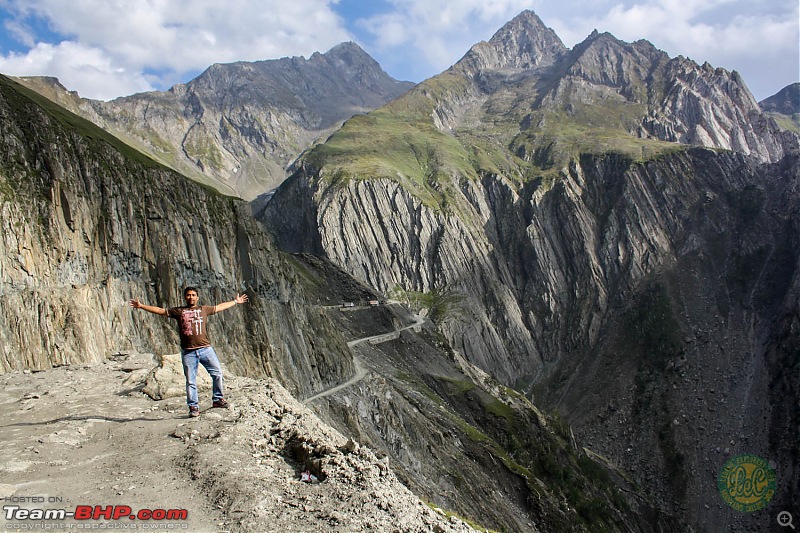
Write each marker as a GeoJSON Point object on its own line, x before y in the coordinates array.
{"type": "Point", "coordinates": [522, 125]}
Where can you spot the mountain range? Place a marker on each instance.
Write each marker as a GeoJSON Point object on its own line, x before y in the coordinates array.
{"type": "Point", "coordinates": [605, 231]}
{"type": "Point", "coordinates": [618, 225]}
{"type": "Point", "coordinates": [237, 126]}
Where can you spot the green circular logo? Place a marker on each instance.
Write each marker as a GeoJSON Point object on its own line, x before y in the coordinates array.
{"type": "Point", "coordinates": [746, 483]}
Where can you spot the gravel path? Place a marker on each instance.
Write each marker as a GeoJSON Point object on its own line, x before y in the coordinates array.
{"type": "Point", "coordinates": [87, 436]}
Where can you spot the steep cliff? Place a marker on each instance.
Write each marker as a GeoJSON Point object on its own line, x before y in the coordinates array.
{"type": "Point", "coordinates": [641, 286]}
{"type": "Point", "coordinates": [237, 126]}
{"type": "Point", "coordinates": [89, 223]}
{"type": "Point", "coordinates": [463, 441]}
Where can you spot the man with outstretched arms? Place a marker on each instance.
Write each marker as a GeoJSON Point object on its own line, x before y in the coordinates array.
{"type": "Point", "coordinates": [195, 346]}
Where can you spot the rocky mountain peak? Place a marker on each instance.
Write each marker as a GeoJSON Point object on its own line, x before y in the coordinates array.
{"type": "Point", "coordinates": [350, 52]}
{"type": "Point", "coordinates": [346, 55]}
{"type": "Point", "coordinates": [603, 59]}
{"type": "Point", "coordinates": [786, 101]}
{"type": "Point", "coordinates": [522, 43]}
{"type": "Point", "coordinates": [46, 81]}
{"type": "Point", "coordinates": [237, 126]}
{"type": "Point", "coordinates": [316, 80]}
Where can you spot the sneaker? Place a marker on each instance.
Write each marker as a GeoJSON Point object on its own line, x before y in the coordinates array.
{"type": "Point", "coordinates": [221, 403]}
{"type": "Point", "coordinates": [194, 411]}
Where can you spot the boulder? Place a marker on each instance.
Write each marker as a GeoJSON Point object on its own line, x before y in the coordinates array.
{"type": "Point", "coordinates": [167, 379]}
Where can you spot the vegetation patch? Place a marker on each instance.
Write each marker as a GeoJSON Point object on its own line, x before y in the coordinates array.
{"type": "Point", "coordinates": [457, 386]}
{"type": "Point", "coordinates": [653, 338]}
{"type": "Point", "coordinates": [305, 277]}
{"type": "Point", "coordinates": [203, 150]}
{"type": "Point", "coordinates": [407, 150]}
{"type": "Point", "coordinates": [420, 387]}
{"type": "Point", "coordinates": [787, 122]}
{"type": "Point", "coordinates": [593, 129]}
{"type": "Point", "coordinates": [442, 302]}
{"type": "Point", "coordinates": [449, 514]}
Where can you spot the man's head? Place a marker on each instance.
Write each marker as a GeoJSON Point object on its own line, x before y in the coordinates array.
{"type": "Point", "coordinates": [190, 295]}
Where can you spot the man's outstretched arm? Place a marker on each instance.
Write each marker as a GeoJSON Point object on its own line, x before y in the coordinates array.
{"type": "Point", "coordinates": [240, 299]}
{"type": "Point", "coordinates": [136, 304]}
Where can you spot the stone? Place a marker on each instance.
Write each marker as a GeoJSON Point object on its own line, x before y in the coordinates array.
{"type": "Point", "coordinates": [167, 380]}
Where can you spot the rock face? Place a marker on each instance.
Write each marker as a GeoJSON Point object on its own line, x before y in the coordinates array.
{"type": "Point", "coordinates": [89, 223]}
{"type": "Point", "coordinates": [785, 102]}
{"type": "Point", "coordinates": [525, 43]}
{"type": "Point", "coordinates": [645, 289]}
{"type": "Point", "coordinates": [537, 202]}
{"type": "Point", "coordinates": [784, 107]}
{"type": "Point", "coordinates": [238, 126]}
{"type": "Point", "coordinates": [712, 107]}
{"type": "Point", "coordinates": [466, 443]}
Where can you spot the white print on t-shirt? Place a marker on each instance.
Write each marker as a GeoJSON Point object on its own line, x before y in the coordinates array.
{"type": "Point", "coordinates": [192, 322]}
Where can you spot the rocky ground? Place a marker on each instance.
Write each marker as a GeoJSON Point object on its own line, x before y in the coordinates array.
{"type": "Point", "coordinates": [90, 436]}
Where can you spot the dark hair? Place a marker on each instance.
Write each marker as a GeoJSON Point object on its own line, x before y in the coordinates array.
{"type": "Point", "coordinates": [187, 289]}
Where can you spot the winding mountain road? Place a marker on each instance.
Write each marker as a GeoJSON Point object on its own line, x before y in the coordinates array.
{"type": "Point", "coordinates": [360, 370]}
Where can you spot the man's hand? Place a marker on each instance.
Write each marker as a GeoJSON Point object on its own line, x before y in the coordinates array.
{"type": "Point", "coordinates": [136, 304]}
{"type": "Point", "coordinates": [240, 299]}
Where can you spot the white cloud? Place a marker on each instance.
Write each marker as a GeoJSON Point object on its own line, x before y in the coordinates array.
{"type": "Point", "coordinates": [122, 46]}
{"type": "Point", "coordinates": [118, 40]}
{"type": "Point", "coordinates": [79, 68]}
{"type": "Point", "coordinates": [20, 32]}
{"type": "Point", "coordinates": [185, 34]}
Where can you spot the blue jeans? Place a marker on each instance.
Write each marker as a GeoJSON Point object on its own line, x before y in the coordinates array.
{"type": "Point", "coordinates": [208, 358]}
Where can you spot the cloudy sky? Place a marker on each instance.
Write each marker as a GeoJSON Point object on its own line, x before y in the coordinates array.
{"type": "Point", "coordinates": [109, 48]}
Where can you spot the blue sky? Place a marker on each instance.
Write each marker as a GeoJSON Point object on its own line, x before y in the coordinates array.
{"type": "Point", "coordinates": [109, 48]}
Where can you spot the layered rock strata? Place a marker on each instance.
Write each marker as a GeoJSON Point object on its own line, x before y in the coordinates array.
{"type": "Point", "coordinates": [89, 223]}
